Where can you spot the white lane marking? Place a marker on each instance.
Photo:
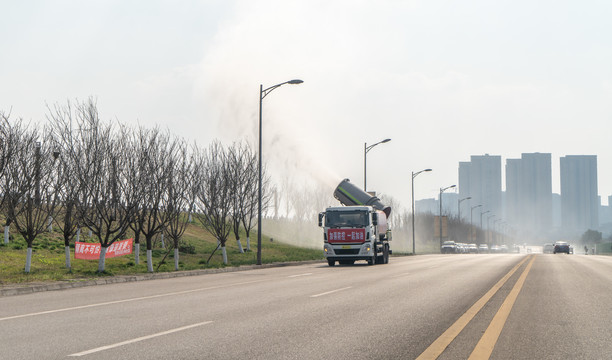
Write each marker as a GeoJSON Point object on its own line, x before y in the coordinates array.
{"type": "Point", "coordinates": [102, 348]}
{"type": "Point", "coordinates": [330, 292]}
{"type": "Point", "coordinates": [306, 274]}
{"type": "Point", "coordinates": [126, 300]}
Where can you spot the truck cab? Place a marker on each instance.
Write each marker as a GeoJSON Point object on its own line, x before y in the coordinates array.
{"type": "Point", "coordinates": [354, 233]}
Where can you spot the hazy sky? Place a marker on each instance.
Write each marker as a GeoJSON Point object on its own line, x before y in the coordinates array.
{"type": "Point", "coordinates": [443, 79]}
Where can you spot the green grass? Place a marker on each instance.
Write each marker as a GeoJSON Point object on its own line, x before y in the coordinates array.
{"type": "Point", "coordinates": [48, 257]}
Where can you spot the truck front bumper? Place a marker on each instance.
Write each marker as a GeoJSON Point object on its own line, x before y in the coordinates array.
{"type": "Point", "coordinates": [354, 252]}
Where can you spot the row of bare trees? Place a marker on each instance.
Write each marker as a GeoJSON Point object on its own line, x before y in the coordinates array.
{"type": "Point", "coordinates": [83, 173]}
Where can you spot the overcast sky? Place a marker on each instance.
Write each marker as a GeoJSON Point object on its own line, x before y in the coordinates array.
{"type": "Point", "coordinates": [443, 79]}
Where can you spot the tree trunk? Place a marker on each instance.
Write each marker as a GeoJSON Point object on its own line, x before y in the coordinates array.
{"type": "Point", "coordinates": [150, 260]}
{"type": "Point", "coordinates": [78, 234]}
{"type": "Point", "coordinates": [50, 225]}
{"type": "Point", "coordinates": [223, 250]}
{"type": "Point", "coordinates": [248, 244]}
{"type": "Point", "coordinates": [102, 261]}
{"type": "Point", "coordinates": [137, 254]}
{"type": "Point", "coordinates": [67, 250]}
{"type": "Point", "coordinates": [176, 259]}
{"type": "Point", "coordinates": [162, 240]}
{"type": "Point", "coordinates": [89, 232]}
{"type": "Point", "coordinates": [28, 260]}
{"type": "Point", "coordinates": [240, 246]}
{"type": "Point", "coordinates": [6, 234]}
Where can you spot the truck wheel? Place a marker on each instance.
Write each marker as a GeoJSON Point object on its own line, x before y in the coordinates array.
{"type": "Point", "coordinates": [386, 254]}
{"type": "Point", "coordinates": [331, 262]}
{"type": "Point", "coordinates": [373, 260]}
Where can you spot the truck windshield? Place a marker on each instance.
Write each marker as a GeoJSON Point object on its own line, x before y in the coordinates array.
{"type": "Point", "coordinates": [346, 218]}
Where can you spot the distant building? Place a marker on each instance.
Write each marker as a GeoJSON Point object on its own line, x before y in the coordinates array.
{"type": "Point", "coordinates": [426, 206]}
{"type": "Point", "coordinates": [481, 179]}
{"type": "Point", "coordinates": [579, 199]}
{"type": "Point", "coordinates": [605, 214]}
{"type": "Point", "coordinates": [529, 194]}
{"type": "Point", "coordinates": [449, 203]}
{"type": "Point", "coordinates": [556, 210]}
{"type": "Point", "coordinates": [464, 184]}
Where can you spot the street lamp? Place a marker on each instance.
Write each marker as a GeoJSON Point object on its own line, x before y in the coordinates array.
{"type": "Point", "coordinates": [262, 94]}
{"type": "Point", "coordinates": [495, 230]}
{"type": "Point", "coordinates": [440, 201]}
{"type": "Point", "coordinates": [413, 176]}
{"type": "Point", "coordinates": [459, 207]}
{"type": "Point", "coordinates": [367, 148]}
{"type": "Point", "coordinates": [482, 213]}
{"type": "Point", "coordinates": [471, 222]}
{"type": "Point", "coordinates": [488, 232]}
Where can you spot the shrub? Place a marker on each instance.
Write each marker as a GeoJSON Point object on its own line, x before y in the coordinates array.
{"type": "Point", "coordinates": [187, 249]}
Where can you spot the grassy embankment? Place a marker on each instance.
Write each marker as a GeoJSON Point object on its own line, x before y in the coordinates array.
{"type": "Point", "coordinates": [48, 257]}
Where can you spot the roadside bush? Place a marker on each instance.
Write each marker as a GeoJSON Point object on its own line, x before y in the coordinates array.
{"type": "Point", "coordinates": [187, 249]}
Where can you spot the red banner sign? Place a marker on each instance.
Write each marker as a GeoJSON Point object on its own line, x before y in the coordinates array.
{"type": "Point", "coordinates": [91, 251]}
{"type": "Point", "coordinates": [346, 235]}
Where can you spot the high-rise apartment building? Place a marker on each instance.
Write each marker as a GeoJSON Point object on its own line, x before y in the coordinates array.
{"type": "Point", "coordinates": [579, 199]}
{"type": "Point", "coordinates": [481, 179]}
{"type": "Point", "coordinates": [529, 193]}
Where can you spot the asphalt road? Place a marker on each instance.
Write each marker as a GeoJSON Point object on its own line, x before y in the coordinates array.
{"type": "Point", "coordinates": [498, 306]}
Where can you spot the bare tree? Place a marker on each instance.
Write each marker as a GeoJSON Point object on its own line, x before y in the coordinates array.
{"type": "Point", "coordinates": [249, 206]}
{"type": "Point", "coordinates": [8, 137]}
{"type": "Point", "coordinates": [29, 187]}
{"type": "Point", "coordinates": [251, 201]}
{"type": "Point", "coordinates": [237, 158]}
{"type": "Point", "coordinates": [180, 197]}
{"type": "Point", "coordinates": [4, 134]}
{"type": "Point", "coordinates": [156, 150]}
{"type": "Point", "coordinates": [68, 186]}
{"type": "Point", "coordinates": [106, 203]}
{"type": "Point", "coordinates": [214, 197]}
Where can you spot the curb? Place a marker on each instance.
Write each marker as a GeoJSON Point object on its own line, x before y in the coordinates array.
{"type": "Point", "coordinates": [13, 290]}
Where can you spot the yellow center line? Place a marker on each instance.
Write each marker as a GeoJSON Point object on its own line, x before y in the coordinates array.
{"type": "Point", "coordinates": [487, 342]}
{"type": "Point", "coordinates": [440, 344]}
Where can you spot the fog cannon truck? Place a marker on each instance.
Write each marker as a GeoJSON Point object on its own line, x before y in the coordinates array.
{"type": "Point", "coordinates": [356, 231]}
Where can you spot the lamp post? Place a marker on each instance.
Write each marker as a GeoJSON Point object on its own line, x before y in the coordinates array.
{"type": "Point", "coordinates": [262, 94]}
{"type": "Point", "coordinates": [482, 213]}
{"type": "Point", "coordinates": [471, 222]}
{"type": "Point", "coordinates": [367, 148]}
{"type": "Point", "coordinates": [495, 230]}
{"type": "Point", "coordinates": [440, 201]}
{"type": "Point", "coordinates": [413, 176]}
{"type": "Point", "coordinates": [459, 206]}
{"type": "Point", "coordinates": [488, 232]}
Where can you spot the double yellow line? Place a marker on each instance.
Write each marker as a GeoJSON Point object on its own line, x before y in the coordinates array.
{"type": "Point", "coordinates": [485, 346]}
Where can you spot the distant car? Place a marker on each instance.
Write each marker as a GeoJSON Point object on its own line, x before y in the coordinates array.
{"type": "Point", "coordinates": [495, 249]}
{"type": "Point", "coordinates": [561, 247]}
{"type": "Point", "coordinates": [548, 249]}
{"type": "Point", "coordinates": [483, 249]}
{"type": "Point", "coordinates": [504, 248]}
{"type": "Point", "coordinates": [472, 248]}
{"type": "Point", "coordinates": [448, 247]}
